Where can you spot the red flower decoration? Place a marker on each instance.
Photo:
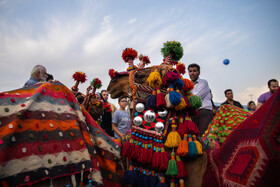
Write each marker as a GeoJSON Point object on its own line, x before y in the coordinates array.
{"type": "Point", "coordinates": [107, 107]}
{"type": "Point", "coordinates": [129, 53]}
{"type": "Point", "coordinates": [146, 60]}
{"type": "Point", "coordinates": [112, 73]}
{"type": "Point", "coordinates": [79, 76]}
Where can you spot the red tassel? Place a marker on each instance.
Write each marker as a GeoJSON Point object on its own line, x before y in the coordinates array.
{"type": "Point", "coordinates": [191, 126]}
{"type": "Point", "coordinates": [160, 99]}
{"type": "Point", "coordinates": [182, 127]}
{"type": "Point", "coordinates": [156, 157]}
{"type": "Point", "coordinates": [182, 172]}
{"type": "Point", "coordinates": [143, 154]}
{"type": "Point", "coordinates": [136, 152]}
{"type": "Point", "coordinates": [128, 147]}
{"type": "Point", "coordinates": [165, 157]}
{"type": "Point", "coordinates": [150, 151]}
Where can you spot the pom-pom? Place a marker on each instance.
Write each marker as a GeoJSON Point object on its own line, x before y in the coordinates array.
{"type": "Point", "coordinates": [172, 166]}
{"type": "Point", "coordinates": [129, 53]}
{"type": "Point", "coordinates": [174, 97]}
{"type": "Point", "coordinates": [188, 86]}
{"type": "Point", "coordinates": [154, 79]}
{"type": "Point", "coordinates": [79, 76]}
{"type": "Point", "coordinates": [170, 77]}
{"type": "Point", "coordinates": [182, 128]}
{"type": "Point", "coordinates": [178, 84]}
{"type": "Point", "coordinates": [182, 105]}
{"type": "Point", "coordinates": [112, 73]}
{"type": "Point", "coordinates": [181, 68]}
{"type": "Point", "coordinates": [191, 126]}
{"type": "Point", "coordinates": [173, 49]}
{"type": "Point", "coordinates": [96, 83]}
{"type": "Point", "coordinates": [145, 59]}
{"type": "Point", "coordinates": [195, 101]}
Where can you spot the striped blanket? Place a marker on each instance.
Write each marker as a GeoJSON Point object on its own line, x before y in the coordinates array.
{"type": "Point", "coordinates": [45, 134]}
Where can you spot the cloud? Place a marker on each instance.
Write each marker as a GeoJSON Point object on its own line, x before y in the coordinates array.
{"type": "Point", "coordinates": [250, 93]}
{"type": "Point", "coordinates": [132, 20]}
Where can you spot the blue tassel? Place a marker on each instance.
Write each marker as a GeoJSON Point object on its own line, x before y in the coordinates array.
{"type": "Point", "coordinates": [174, 97]}
{"type": "Point", "coordinates": [152, 101]}
{"type": "Point", "coordinates": [192, 147]}
{"type": "Point", "coordinates": [153, 180]}
{"type": "Point", "coordinates": [178, 84]}
{"type": "Point", "coordinates": [146, 179]}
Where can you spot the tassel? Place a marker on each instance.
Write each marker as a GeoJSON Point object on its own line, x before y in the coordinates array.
{"type": "Point", "coordinates": [195, 101]}
{"type": "Point", "coordinates": [144, 154]}
{"type": "Point", "coordinates": [181, 183]}
{"type": "Point", "coordinates": [165, 157]}
{"type": "Point", "coordinates": [128, 147]}
{"type": "Point", "coordinates": [150, 150]}
{"type": "Point", "coordinates": [182, 172]}
{"type": "Point", "coordinates": [156, 157]}
{"type": "Point", "coordinates": [131, 176]}
{"type": "Point", "coordinates": [170, 77]}
{"type": "Point", "coordinates": [160, 99]}
{"type": "Point", "coordinates": [136, 151]}
{"type": "Point", "coordinates": [172, 183]}
{"type": "Point", "coordinates": [152, 101]}
{"type": "Point", "coordinates": [172, 166]}
{"type": "Point", "coordinates": [178, 84]}
{"type": "Point", "coordinates": [198, 145]}
{"type": "Point", "coordinates": [192, 147]}
{"type": "Point", "coordinates": [167, 100]}
{"type": "Point", "coordinates": [154, 79]}
{"type": "Point", "coordinates": [191, 126]}
{"type": "Point", "coordinates": [146, 178]}
{"type": "Point", "coordinates": [183, 148]}
{"type": "Point", "coordinates": [182, 127]}
{"type": "Point", "coordinates": [153, 178]}
{"type": "Point", "coordinates": [174, 97]}
{"type": "Point", "coordinates": [182, 105]}
{"type": "Point", "coordinates": [162, 182]}
{"type": "Point", "coordinates": [173, 138]}
{"type": "Point", "coordinates": [141, 178]}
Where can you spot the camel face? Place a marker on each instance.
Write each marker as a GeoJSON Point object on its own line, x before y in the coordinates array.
{"type": "Point", "coordinates": [118, 86]}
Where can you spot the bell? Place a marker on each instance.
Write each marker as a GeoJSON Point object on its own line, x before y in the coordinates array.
{"type": "Point", "coordinates": [149, 116]}
{"type": "Point", "coordinates": [140, 107]}
{"type": "Point", "coordinates": [162, 113]}
{"type": "Point", "coordinates": [159, 127]}
{"type": "Point", "coordinates": [137, 121]}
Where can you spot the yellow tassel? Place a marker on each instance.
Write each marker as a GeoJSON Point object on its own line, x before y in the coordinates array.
{"type": "Point", "coordinates": [183, 148]}
{"type": "Point", "coordinates": [154, 79]}
{"type": "Point", "coordinates": [198, 146]}
{"type": "Point", "coordinates": [173, 138]}
{"type": "Point", "coordinates": [182, 105]}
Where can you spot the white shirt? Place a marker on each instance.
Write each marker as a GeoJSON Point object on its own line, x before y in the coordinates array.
{"type": "Point", "coordinates": [202, 90]}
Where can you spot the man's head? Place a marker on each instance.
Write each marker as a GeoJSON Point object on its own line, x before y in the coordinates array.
{"type": "Point", "coordinates": [122, 102]}
{"type": "Point", "coordinates": [39, 72]}
{"type": "Point", "coordinates": [229, 94]}
{"type": "Point", "coordinates": [273, 85]}
{"type": "Point", "coordinates": [194, 71]}
{"type": "Point", "coordinates": [105, 95]}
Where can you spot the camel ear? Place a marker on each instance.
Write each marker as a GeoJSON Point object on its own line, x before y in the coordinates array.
{"type": "Point", "coordinates": [163, 69]}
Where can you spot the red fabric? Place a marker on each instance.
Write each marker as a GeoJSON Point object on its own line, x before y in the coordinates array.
{"type": "Point", "coordinates": [250, 156]}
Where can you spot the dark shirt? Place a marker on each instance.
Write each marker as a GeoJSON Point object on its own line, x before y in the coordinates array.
{"type": "Point", "coordinates": [235, 103]}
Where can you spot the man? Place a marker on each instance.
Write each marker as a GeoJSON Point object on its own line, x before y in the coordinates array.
{"type": "Point", "coordinates": [38, 73]}
{"type": "Point", "coordinates": [201, 89]}
{"type": "Point", "coordinates": [109, 109]}
{"type": "Point", "coordinates": [230, 101]}
{"type": "Point", "coordinates": [273, 85]}
{"type": "Point", "coordinates": [121, 120]}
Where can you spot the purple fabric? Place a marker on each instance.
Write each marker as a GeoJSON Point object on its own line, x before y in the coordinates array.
{"type": "Point", "coordinates": [264, 97]}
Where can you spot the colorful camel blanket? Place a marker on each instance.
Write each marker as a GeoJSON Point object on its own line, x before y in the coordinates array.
{"type": "Point", "coordinates": [46, 134]}
{"type": "Point", "coordinates": [225, 121]}
{"type": "Point", "coordinates": [250, 156]}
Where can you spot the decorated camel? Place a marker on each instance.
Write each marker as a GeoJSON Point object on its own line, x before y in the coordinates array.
{"type": "Point", "coordinates": [48, 139]}
{"type": "Point", "coordinates": [248, 156]}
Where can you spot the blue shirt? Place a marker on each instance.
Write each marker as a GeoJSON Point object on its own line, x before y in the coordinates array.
{"type": "Point", "coordinates": [122, 120]}
{"type": "Point", "coordinates": [30, 82]}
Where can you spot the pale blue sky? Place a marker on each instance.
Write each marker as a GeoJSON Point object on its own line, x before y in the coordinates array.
{"type": "Point", "coordinates": [88, 35]}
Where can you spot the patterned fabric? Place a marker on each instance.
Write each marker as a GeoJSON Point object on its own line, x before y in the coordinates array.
{"type": "Point", "coordinates": [45, 134]}
{"type": "Point", "coordinates": [226, 120]}
{"type": "Point", "coordinates": [250, 156]}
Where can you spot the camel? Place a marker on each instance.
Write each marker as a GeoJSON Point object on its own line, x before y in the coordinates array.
{"type": "Point", "coordinates": [48, 139]}
{"type": "Point", "coordinates": [224, 166]}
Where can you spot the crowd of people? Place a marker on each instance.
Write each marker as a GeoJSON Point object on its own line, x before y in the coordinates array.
{"type": "Point", "coordinates": [116, 122]}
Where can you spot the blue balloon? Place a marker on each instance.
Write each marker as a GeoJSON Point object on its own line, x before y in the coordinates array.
{"type": "Point", "coordinates": [226, 61]}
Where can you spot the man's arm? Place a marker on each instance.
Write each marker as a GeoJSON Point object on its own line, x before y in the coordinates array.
{"type": "Point", "coordinates": [202, 89]}
{"type": "Point", "coordinates": [116, 130]}
{"type": "Point", "coordinates": [259, 105]}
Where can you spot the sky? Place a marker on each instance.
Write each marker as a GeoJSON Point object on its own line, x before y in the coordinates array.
{"type": "Point", "coordinates": [89, 35]}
